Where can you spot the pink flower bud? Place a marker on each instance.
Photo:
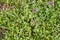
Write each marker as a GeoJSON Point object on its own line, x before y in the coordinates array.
{"type": "Point", "coordinates": [51, 3]}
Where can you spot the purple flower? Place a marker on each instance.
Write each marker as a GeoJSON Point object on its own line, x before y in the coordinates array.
{"type": "Point", "coordinates": [51, 3]}
{"type": "Point", "coordinates": [35, 10]}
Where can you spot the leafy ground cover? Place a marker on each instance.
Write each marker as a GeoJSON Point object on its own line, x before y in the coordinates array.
{"type": "Point", "coordinates": [29, 20]}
